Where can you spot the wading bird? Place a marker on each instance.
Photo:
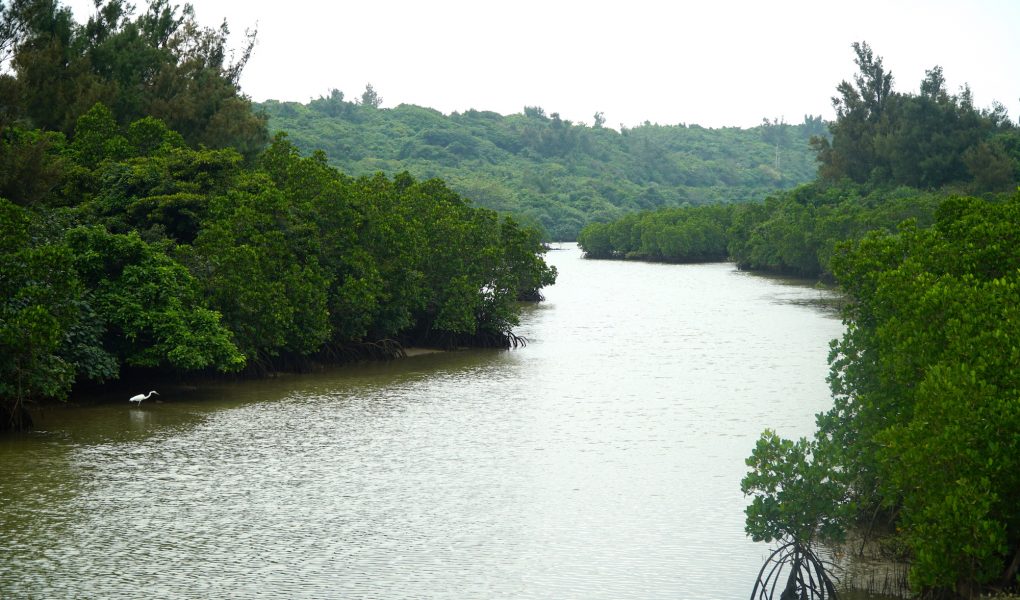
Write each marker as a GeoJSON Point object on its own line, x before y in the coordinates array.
{"type": "Point", "coordinates": [141, 397]}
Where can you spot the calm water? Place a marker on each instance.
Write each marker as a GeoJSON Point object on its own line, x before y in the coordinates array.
{"type": "Point", "coordinates": [601, 461]}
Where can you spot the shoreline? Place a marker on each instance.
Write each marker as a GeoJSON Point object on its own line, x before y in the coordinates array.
{"type": "Point", "coordinates": [421, 351]}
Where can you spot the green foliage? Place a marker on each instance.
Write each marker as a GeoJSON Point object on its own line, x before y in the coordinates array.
{"type": "Point", "coordinates": [149, 135]}
{"type": "Point", "coordinates": [793, 232]}
{"type": "Point", "coordinates": [39, 297]}
{"type": "Point", "coordinates": [159, 64]}
{"type": "Point", "coordinates": [96, 138]}
{"type": "Point", "coordinates": [546, 170]}
{"type": "Point", "coordinates": [152, 312]}
{"type": "Point", "coordinates": [32, 168]}
{"type": "Point", "coordinates": [925, 419]}
{"type": "Point", "coordinates": [370, 97]}
{"type": "Point", "coordinates": [272, 298]}
{"type": "Point", "coordinates": [671, 234]}
{"type": "Point", "coordinates": [157, 185]}
{"type": "Point", "coordinates": [794, 495]}
{"type": "Point", "coordinates": [403, 258]}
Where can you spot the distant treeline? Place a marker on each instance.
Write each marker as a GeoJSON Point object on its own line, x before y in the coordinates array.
{"type": "Point", "coordinates": [146, 224]}
{"type": "Point", "coordinates": [550, 171]}
{"type": "Point", "coordinates": [793, 232]}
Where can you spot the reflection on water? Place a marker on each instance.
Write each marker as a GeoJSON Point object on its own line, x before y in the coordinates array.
{"type": "Point", "coordinates": [601, 461]}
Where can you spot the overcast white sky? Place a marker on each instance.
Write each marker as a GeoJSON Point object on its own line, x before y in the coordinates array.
{"type": "Point", "coordinates": [713, 62]}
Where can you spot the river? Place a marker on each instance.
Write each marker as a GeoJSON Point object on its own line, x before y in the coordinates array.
{"type": "Point", "coordinates": [602, 460]}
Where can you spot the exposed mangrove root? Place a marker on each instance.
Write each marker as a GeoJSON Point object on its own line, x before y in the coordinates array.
{"type": "Point", "coordinates": [516, 340]}
{"type": "Point", "coordinates": [872, 561]}
{"type": "Point", "coordinates": [15, 417]}
{"type": "Point", "coordinates": [259, 366]}
{"type": "Point", "coordinates": [483, 339]}
{"type": "Point", "coordinates": [357, 351]}
{"type": "Point", "coordinates": [806, 576]}
{"type": "Point", "coordinates": [329, 354]}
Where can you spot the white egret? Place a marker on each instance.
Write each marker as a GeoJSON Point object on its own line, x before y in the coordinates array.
{"type": "Point", "coordinates": [141, 397]}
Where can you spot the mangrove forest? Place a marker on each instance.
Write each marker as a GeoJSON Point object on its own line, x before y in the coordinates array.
{"type": "Point", "coordinates": [149, 224]}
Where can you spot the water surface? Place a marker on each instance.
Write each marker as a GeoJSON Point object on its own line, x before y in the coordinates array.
{"type": "Point", "coordinates": [603, 460]}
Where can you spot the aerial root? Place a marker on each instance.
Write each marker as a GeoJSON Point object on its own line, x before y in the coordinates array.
{"type": "Point", "coordinates": [808, 577]}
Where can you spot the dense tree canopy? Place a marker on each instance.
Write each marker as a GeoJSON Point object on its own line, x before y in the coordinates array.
{"type": "Point", "coordinates": [924, 433]}
{"type": "Point", "coordinates": [159, 64]}
{"type": "Point", "coordinates": [926, 140]}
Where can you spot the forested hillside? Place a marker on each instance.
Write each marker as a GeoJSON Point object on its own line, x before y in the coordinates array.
{"type": "Point", "coordinates": [550, 171]}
